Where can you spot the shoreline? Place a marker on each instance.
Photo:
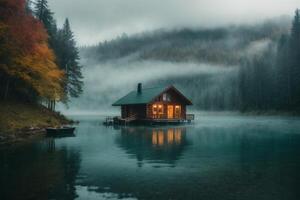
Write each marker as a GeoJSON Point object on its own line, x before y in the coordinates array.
{"type": "Point", "coordinates": [24, 121]}
{"type": "Point", "coordinates": [7, 139]}
{"type": "Point", "coordinates": [29, 133]}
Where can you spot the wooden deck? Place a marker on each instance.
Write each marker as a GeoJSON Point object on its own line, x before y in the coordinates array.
{"type": "Point", "coordinates": [133, 120]}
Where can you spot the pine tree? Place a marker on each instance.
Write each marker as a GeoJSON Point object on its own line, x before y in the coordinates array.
{"type": "Point", "coordinates": [283, 74]}
{"type": "Point", "coordinates": [43, 13]}
{"type": "Point", "coordinates": [295, 59]}
{"type": "Point", "coordinates": [68, 58]}
{"type": "Point", "coordinates": [63, 43]}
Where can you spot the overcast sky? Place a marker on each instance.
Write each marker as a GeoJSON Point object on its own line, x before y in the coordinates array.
{"type": "Point", "coordinates": [98, 20]}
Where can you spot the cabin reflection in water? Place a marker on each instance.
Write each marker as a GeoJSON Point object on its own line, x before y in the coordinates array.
{"type": "Point", "coordinates": [165, 145]}
{"type": "Point", "coordinates": [170, 136]}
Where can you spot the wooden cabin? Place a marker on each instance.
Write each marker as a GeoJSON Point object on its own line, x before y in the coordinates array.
{"type": "Point", "coordinates": [157, 104]}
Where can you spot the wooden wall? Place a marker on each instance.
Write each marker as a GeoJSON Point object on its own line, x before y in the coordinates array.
{"type": "Point", "coordinates": [130, 110]}
{"type": "Point", "coordinates": [145, 111]}
{"type": "Point", "coordinates": [174, 100]}
{"type": "Point", "coordinates": [165, 109]}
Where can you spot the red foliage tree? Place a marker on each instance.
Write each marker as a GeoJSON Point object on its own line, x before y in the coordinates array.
{"type": "Point", "coordinates": [24, 52]}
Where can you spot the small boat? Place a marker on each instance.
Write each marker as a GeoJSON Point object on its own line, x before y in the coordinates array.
{"type": "Point", "coordinates": [60, 132]}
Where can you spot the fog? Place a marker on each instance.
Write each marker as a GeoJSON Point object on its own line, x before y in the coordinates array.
{"type": "Point", "coordinates": [210, 85]}
{"type": "Point", "coordinates": [107, 82]}
{"type": "Point", "coordinates": [257, 47]}
{"type": "Point", "coordinates": [99, 20]}
{"type": "Point", "coordinates": [110, 76]}
{"type": "Point", "coordinates": [199, 46]}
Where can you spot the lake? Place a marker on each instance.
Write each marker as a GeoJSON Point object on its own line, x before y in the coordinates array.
{"type": "Point", "coordinates": [218, 157]}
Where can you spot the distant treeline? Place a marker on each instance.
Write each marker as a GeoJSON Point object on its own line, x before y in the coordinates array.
{"type": "Point", "coordinates": [38, 61]}
{"type": "Point", "coordinates": [271, 80]}
{"type": "Point", "coordinates": [225, 45]}
{"type": "Point", "coordinates": [265, 56]}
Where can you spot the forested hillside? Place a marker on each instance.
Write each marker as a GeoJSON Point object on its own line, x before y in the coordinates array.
{"type": "Point", "coordinates": [271, 80]}
{"type": "Point", "coordinates": [262, 62]}
{"type": "Point", "coordinates": [225, 45]}
{"type": "Point", "coordinates": [39, 63]}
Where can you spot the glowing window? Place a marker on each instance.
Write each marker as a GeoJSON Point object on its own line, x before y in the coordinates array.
{"type": "Point", "coordinates": [177, 111]}
{"type": "Point", "coordinates": [160, 109]}
{"type": "Point", "coordinates": [157, 110]}
{"type": "Point", "coordinates": [154, 109]}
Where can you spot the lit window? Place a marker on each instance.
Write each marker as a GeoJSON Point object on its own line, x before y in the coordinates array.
{"type": "Point", "coordinates": [160, 109]}
{"type": "Point", "coordinates": [157, 110]}
{"type": "Point", "coordinates": [154, 109]}
{"type": "Point", "coordinates": [177, 111]}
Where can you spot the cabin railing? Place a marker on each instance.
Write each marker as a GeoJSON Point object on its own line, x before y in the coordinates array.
{"type": "Point", "coordinates": [108, 121]}
{"type": "Point", "coordinates": [190, 117]}
{"type": "Point", "coordinates": [131, 118]}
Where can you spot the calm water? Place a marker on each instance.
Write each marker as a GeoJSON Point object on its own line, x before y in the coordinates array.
{"type": "Point", "coordinates": [219, 157]}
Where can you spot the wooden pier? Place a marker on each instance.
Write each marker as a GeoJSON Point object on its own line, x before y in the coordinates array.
{"type": "Point", "coordinates": [133, 120]}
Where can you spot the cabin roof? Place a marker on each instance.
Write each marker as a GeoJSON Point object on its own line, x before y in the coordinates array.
{"type": "Point", "coordinates": [146, 96]}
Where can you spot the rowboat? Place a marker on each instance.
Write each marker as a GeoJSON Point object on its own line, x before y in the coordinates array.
{"type": "Point", "coordinates": [60, 132]}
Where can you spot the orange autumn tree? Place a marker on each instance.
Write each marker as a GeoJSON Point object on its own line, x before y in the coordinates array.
{"type": "Point", "coordinates": [25, 58]}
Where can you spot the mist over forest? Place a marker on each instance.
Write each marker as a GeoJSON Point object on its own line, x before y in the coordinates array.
{"type": "Point", "coordinates": [226, 68]}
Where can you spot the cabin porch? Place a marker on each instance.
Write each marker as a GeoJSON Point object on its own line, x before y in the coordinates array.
{"type": "Point", "coordinates": [133, 120]}
{"type": "Point", "coordinates": [159, 105]}
{"type": "Point", "coordinates": [155, 111]}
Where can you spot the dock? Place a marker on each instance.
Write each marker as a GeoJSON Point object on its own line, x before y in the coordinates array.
{"type": "Point", "coordinates": [133, 120]}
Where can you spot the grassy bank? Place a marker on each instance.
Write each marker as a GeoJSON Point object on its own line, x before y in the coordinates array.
{"type": "Point", "coordinates": [23, 120]}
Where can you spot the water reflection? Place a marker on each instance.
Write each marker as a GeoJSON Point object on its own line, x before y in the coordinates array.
{"type": "Point", "coordinates": [228, 159]}
{"type": "Point", "coordinates": [39, 171]}
{"type": "Point", "coordinates": [170, 136]}
{"type": "Point", "coordinates": [153, 145]}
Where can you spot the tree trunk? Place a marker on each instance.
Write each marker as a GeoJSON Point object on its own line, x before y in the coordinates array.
{"type": "Point", "coordinates": [6, 89]}
{"type": "Point", "coordinates": [48, 104]}
{"type": "Point", "coordinates": [51, 105]}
